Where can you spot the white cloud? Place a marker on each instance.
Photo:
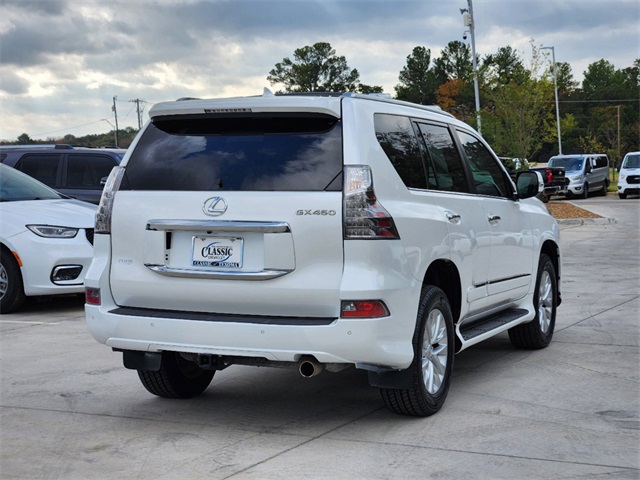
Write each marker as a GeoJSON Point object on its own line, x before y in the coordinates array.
{"type": "Point", "coordinates": [62, 62]}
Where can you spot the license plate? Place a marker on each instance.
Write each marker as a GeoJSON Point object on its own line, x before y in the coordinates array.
{"type": "Point", "coordinates": [222, 252]}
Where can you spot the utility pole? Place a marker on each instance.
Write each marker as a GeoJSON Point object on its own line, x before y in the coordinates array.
{"type": "Point", "coordinates": [137, 101]}
{"type": "Point", "coordinates": [618, 159]}
{"type": "Point", "coordinates": [555, 85]}
{"type": "Point", "coordinates": [115, 113]}
{"type": "Point", "coordinates": [469, 22]}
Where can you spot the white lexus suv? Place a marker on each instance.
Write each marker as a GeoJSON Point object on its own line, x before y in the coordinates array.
{"type": "Point", "coordinates": [320, 232]}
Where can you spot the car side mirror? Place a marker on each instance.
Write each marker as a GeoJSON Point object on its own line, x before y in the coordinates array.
{"type": "Point", "coordinates": [529, 184]}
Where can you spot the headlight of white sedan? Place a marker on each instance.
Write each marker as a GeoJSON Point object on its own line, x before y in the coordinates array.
{"type": "Point", "coordinates": [52, 231]}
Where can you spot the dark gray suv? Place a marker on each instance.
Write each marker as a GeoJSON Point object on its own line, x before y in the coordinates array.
{"type": "Point", "coordinates": [77, 172]}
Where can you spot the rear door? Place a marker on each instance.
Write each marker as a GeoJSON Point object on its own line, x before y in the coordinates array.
{"type": "Point", "coordinates": [468, 230]}
{"type": "Point", "coordinates": [511, 265]}
{"type": "Point", "coordinates": [45, 167]}
{"type": "Point", "coordinates": [232, 213]}
{"type": "Point", "coordinates": [82, 174]}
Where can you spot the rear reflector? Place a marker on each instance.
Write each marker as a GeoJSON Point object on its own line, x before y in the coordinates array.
{"type": "Point", "coordinates": [363, 309]}
{"type": "Point", "coordinates": [92, 296]}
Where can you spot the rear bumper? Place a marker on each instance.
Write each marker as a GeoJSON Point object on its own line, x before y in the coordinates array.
{"type": "Point", "coordinates": [369, 341]}
{"type": "Point", "coordinates": [555, 190]}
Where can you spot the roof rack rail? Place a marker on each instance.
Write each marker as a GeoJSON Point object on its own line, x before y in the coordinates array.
{"type": "Point", "coordinates": [39, 145]}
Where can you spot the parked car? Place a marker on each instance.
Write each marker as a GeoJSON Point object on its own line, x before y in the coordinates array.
{"type": "Point", "coordinates": [587, 173]}
{"type": "Point", "coordinates": [555, 181]}
{"type": "Point", "coordinates": [629, 178]}
{"type": "Point", "coordinates": [73, 171]}
{"type": "Point", "coordinates": [45, 240]}
{"type": "Point", "coordinates": [317, 232]}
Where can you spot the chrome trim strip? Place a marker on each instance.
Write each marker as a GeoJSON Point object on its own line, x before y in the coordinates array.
{"type": "Point", "coordinates": [219, 225]}
{"type": "Point", "coordinates": [266, 274]}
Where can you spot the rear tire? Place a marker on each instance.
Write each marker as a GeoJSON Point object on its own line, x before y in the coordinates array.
{"type": "Point", "coordinates": [11, 284]}
{"type": "Point", "coordinates": [605, 187]}
{"type": "Point", "coordinates": [177, 378]}
{"type": "Point", "coordinates": [433, 346]}
{"type": "Point", "coordinates": [538, 333]}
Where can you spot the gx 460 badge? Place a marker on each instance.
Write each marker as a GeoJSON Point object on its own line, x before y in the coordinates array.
{"type": "Point", "coordinates": [315, 212]}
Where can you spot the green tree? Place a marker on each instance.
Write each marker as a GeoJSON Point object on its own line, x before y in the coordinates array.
{"type": "Point", "coordinates": [610, 113]}
{"type": "Point", "coordinates": [317, 68]}
{"type": "Point", "coordinates": [418, 83]}
{"type": "Point", "coordinates": [25, 139]}
{"type": "Point", "coordinates": [566, 83]}
{"type": "Point", "coordinates": [454, 62]}
{"type": "Point", "coordinates": [503, 67]}
{"type": "Point", "coordinates": [522, 116]}
{"type": "Point", "coordinates": [603, 82]}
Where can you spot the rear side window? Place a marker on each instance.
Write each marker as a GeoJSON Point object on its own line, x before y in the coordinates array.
{"type": "Point", "coordinates": [444, 165]}
{"type": "Point", "coordinates": [40, 167]}
{"type": "Point", "coordinates": [86, 171]}
{"type": "Point", "coordinates": [601, 162]}
{"type": "Point", "coordinates": [260, 152]}
{"type": "Point", "coordinates": [396, 137]}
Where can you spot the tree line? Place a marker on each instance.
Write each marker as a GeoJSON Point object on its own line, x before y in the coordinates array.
{"type": "Point", "coordinates": [517, 106]}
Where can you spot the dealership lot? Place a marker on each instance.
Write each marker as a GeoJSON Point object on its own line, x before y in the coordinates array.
{"type": "Point", "coordinates": [69, 410]}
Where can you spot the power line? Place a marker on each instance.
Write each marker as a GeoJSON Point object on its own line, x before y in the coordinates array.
{"type": "Point", "coordinates": [70, 128]}
{"type": "Point", "coordinates": [600, 101]}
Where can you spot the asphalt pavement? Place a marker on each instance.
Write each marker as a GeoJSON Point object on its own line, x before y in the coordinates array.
{"type": "Point", "coordinates": [69, 409]}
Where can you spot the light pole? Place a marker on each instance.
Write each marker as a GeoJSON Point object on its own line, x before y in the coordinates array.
{"type": "Point", "coordinates": [467, 15]}
{"type": "Point", "coordinates": [555, 84]}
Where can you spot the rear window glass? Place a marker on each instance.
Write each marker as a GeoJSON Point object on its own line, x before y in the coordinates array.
{"type": "Point", "coordinates": [88, 171]}
{"type": "Point", "coordinates": [396, 137]}
{"type": "Point", "coordinates": [41, 167]}
{"type": "Point", "coordinates": [247, 153]}
{"type": "Point", "coordinates": [601, 162]}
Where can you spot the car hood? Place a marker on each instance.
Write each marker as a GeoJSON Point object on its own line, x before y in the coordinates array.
{"type": "Point", "coordinates": [66, 213]}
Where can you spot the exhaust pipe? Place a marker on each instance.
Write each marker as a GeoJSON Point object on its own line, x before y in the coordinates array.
{"type": "Point", "coordinates": [310, 367]}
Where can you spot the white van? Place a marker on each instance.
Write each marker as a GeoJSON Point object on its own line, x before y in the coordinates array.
{"type": "Point", "coordinates": [629, 179]}
{"type": "Point", "coordinates": [586, 172]}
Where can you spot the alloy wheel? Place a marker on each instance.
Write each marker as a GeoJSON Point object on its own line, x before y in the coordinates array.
{"type": "Point", "coordinates": [434, 351]}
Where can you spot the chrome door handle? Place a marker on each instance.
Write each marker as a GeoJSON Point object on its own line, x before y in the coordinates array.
{"type": "Point", "coordinates": [453, 217]}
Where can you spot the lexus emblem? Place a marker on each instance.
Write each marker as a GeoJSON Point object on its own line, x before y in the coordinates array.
{"type": "Point", "coordinates": [215, 206]}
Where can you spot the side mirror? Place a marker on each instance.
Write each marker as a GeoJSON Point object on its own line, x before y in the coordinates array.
{"type": "Point", "coordinates": [529, 184]}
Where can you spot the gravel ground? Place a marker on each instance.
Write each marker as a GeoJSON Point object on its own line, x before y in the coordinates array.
{"type": "Point", "coordinates": [564, 209]}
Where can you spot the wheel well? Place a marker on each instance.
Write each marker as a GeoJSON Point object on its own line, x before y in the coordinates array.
{"type": "Point", "coordinates": [551, 249]}
{"type": "Point", "coordinates": [444, 275]}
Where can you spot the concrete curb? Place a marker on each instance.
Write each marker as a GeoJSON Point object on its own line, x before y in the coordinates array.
{"type": "Point", "coordinates": [576, 222]}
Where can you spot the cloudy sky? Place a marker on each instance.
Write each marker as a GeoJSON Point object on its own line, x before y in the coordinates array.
{"type": "Point", "coordinates": [63, 61]}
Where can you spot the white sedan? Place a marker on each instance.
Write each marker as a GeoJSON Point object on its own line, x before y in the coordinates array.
{"type": "Point", "coordinates": [46, 240]}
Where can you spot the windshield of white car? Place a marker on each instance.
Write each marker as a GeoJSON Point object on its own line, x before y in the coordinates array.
{"type": "Point", "coordinates": [17, 186]}
{"type": "Point", "coordinates": [631, 161]}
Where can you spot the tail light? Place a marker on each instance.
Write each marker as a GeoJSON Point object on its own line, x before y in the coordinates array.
{"type": "Point", "coordinates": [103, 215]}
{"type": "Point", "coordinates": [549, 173]}
{"type": "Point", "coordinates": [363, 309]}
{"type": "Point", "coordinates": [363, 216]}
